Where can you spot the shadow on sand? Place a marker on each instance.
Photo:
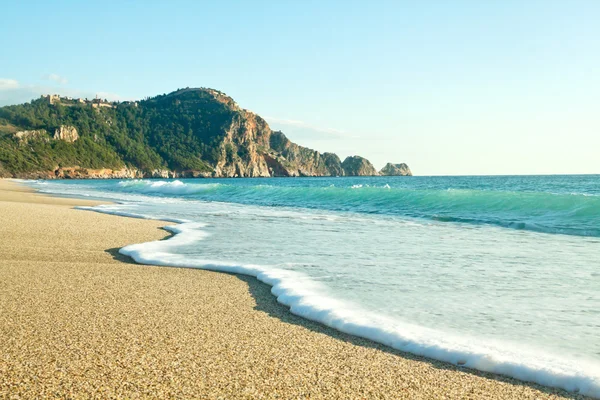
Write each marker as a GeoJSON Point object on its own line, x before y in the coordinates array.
{"type": "Point", "coordinates": [114, 252]}
{"type": "Point", "coordinates": [267, 303]}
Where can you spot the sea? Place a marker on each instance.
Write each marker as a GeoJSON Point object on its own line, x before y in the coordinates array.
{"type": "Point", "coordinates": [494, 273]}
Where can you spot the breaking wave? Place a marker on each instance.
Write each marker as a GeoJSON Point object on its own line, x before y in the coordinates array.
{"type": "Point", "coordinates": [560, 213]}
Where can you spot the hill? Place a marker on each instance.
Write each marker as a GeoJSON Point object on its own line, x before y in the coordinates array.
{"type": "Point", "coordinates": [187, 133]}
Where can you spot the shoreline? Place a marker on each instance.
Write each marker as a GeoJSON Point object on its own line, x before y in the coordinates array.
{"type": "Point", "coordinates": [345, 365]}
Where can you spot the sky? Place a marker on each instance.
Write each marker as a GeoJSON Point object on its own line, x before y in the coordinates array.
{"type": "Point", "coordinates": [450, 87]}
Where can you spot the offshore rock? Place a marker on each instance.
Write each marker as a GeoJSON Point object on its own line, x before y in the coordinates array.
{"type": "Point", "coordinates": [358, 166]}
{"type": "Point", "coordinates": [395, 170]}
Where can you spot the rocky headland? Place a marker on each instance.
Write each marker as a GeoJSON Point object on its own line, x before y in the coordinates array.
{"type": "Point", "coordinates": [195, 133]}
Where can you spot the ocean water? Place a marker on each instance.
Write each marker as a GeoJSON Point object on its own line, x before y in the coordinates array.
{"type": "Point", "coordinates": [500, 274]}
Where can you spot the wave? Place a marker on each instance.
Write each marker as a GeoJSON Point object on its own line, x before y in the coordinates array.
{"type": "Point", "coordinates": [557, 213]}
{"type": "Point", "coordinates": [309, 299]}
{"type": "Point", "coordinates": [176, 187]}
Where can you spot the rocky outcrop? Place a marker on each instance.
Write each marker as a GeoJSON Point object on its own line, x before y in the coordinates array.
{"type": "Point", "coordinates": [358, 166]}
{"type": "Point", "coordinates": [25, 136]}
{"type": "Point", "coordinates": [77, 172]}
{"type": "Point", "coordinates": [395, 170]}
{"type": "Point", "coordinates": [241, 151]}
{"type": "Point", "coordinates": [250, 149]}
{"type": "Point", "coordinates": [66, 133]}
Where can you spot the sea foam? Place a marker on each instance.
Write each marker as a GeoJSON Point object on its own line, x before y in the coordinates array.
{"type": "Point", "coordinates": [308, 298]}
{"type": "Point", "coordinates": [175, 187]}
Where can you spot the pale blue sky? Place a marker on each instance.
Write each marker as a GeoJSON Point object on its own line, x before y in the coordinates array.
{"type": "Point", "coordinates": [450, 87]}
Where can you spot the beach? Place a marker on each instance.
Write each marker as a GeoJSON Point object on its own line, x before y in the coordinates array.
{"type": "Point", "coordinates": [78, 320]}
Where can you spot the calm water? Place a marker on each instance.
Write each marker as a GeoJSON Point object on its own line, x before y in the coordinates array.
{"type": "Point", "coordinates": [497, 273]}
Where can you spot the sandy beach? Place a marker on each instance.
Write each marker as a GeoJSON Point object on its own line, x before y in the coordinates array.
{"type": "Point", "coordinates": [77, 320]}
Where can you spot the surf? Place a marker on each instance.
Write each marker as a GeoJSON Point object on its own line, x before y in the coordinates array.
{"type": "Point", "coordinates": [416, 266]}
{"type": "Point", "coordinates": [540, 211]}
{"type": "Point", "coordinates": [308, 299]}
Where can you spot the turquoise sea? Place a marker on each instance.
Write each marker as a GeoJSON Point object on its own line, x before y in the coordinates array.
{"type": "Point", "coordinates": [500, 274]}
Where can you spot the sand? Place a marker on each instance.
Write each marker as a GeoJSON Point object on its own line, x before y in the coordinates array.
{"type": "Point", "coordinates": [79, 321]}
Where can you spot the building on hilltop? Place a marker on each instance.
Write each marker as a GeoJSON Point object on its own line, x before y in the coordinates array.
{"type": "Point", "coordinates": [52, 98]}
{"type": "Point", "coordinates": [98, 102]}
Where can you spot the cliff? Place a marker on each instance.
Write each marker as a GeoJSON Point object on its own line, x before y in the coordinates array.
{"type": "Point", "coordinates": [395, 170]}
{"type": "Point", "coordinates": [26, 136]}
{"type": "Point", "coordinates": [288, 159]}
{"type": "Point", "coordinates": [66, 133]}
{"type": "Point", "coordinates": [186, 133]}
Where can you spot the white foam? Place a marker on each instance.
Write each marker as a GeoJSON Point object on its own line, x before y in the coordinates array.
{"type": "Point", "coordinates": [176, 187]}
{"type": "Point", "coordinates": [309, 299]}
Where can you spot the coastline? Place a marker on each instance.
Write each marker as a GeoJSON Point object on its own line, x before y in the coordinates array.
{"type": "Point", "coordinates": [77, 318]}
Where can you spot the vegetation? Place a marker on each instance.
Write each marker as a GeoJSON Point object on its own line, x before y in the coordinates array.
{"type": "Point", "coordinates": [179, 131]}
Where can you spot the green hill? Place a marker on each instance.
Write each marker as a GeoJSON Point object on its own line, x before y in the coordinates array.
{"type": "Point", "coordinates": [187, 133]}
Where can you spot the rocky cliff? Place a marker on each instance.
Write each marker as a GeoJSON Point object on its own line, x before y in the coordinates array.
{"type": "Point", "coordinates": [286, 158]}
{"type": "Point", "coordinates": [186, 133]}
{"type": "Point", "coordinates": [241, 152]}
{"type": "Point", "coordinates": [395, 170]}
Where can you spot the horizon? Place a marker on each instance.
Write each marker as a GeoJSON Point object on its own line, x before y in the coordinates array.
{"type": "Point", "coordinates": [453, 90]}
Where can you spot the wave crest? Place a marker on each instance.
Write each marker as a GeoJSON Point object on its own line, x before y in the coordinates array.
{"type": "Point", "coordinates": [176, 187]}
{"type": "Point", "coordinates": [567, 213]}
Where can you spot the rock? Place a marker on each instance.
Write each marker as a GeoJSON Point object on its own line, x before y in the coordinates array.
{"type": "Point", "coordinates": [251, 149]}
{"type": "Point", "coordinates": [240, 153]}
{"type": "Point", "coordinates": [395, 170]}
{"type": "Point", "coordinates": [358, 166]}
{"type": "Point", "coordinates": [77, 172]}
{"type": "Point", "coordinates": [25, 136]}
{"type": "Point", "coordinates": [161, 173]}
{"type": "Point", "coordinates": [289, 159]}
{"type": "Point", "coordinates": [67, 133]}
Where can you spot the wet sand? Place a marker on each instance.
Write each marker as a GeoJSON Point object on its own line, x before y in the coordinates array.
{"type": "Point", "coordinates": [77, 320]}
